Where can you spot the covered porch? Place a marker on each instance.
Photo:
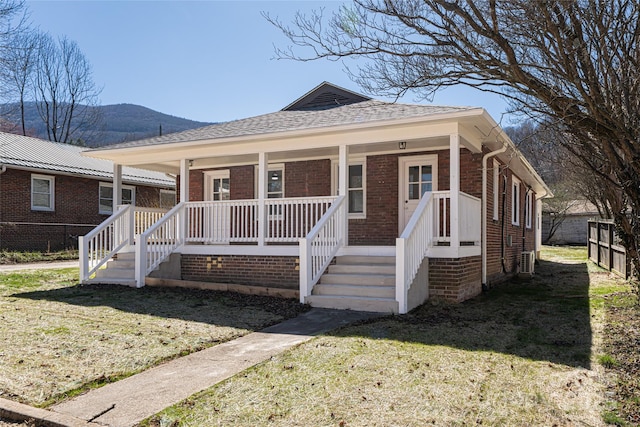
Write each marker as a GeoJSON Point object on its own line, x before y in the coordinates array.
{"type": "Point", "coordinates": [313, 230]}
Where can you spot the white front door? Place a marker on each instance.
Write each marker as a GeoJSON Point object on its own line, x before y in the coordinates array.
{"type": "Point", "coordinates": [217, 222]}
{"type": "Point", "coordinates": [417, 175]}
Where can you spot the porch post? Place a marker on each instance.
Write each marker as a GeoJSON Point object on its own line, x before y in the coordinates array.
{"type": "Point", "coordinates": [263, 170]}
{"type": "Point", "coordinates": [117, 186]}
{"type": "Point", "coordinates": [454, 188]}
{"type": "Point", "coordinates": [343, 186]}
{"type": "Point", "coordinates": [184, 180]}
{"type": "Point", "coordinates": [184, 197]}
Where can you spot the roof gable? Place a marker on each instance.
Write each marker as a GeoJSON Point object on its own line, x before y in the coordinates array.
{"type": "Point", "coordinates": [324, 96]}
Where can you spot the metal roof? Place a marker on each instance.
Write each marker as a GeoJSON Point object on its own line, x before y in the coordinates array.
{"type": "Point", "coordinates": [33, 153]}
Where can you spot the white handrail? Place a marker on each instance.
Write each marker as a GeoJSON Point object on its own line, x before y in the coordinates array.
{"type": "Point", "coordinates": [412, 247]}
{"type": "Point", "coordinates": [159, 241]}
{"type": "Point", "coordinates": [103, 242]}
{"type": "Point", "coordinates": [319, 247]}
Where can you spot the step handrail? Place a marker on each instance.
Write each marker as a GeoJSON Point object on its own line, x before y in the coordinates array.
{"type": "Point", "coordinates": [103, 242]}
{"type": "Point", "coordinates": [159, 241]}
{"type": "Point", "coordinates": [320, 245]}
{"type": "Point", "coordinates": [412, 247]}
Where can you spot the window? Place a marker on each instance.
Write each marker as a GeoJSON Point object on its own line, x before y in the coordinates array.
{"type": "Point", "coordinates": [42, 193]}
{"type": "Point", "coordinates": [167, 199]}
{"type": "Point", "coordinates": [105, 197]}
{"type": "Point", "coordinates": [356, 187]}
{"type": "Point", "coordinates": [528, 209]}
{"type": "Point", "coordinates": [496, 189]}
{"type": "Point", "coordinates": [515, 201]}
{"type": "Point", "coordinates": [275, 183]}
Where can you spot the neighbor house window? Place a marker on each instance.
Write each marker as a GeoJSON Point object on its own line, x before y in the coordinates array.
{"type": "Point", "coordinates": [106, 197]}
{"type": "Point", "coordinates": [528, 209]}
{"type": "Point", "coordinates": [42, 193]}
{"type": "Point", "coordinates": [515, 201]}
{"type": "Point", "coordinates": [167, 199]}
{"type": "Point", "coordinates": [496, 188]}
{"type": "Point", "coordinates": [356, 188]}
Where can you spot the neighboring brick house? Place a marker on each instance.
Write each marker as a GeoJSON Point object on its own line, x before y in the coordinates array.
{"type": "Point", "coordinates": [325, 198]}
{"type": "Point", "coordinates": [50, 194]}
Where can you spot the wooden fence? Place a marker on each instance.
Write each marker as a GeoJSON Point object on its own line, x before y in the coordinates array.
{"type": "Point", "coordinates": [605, 249]}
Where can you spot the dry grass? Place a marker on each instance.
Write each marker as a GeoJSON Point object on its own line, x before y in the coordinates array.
{"type": "Point", "coordinates": [59, 338]}
{"type": "Point", "coordinates": [526, 353]}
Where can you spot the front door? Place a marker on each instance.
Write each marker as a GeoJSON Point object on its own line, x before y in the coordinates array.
{"type": "Point", "coordinates": [418, 175]}
{"type": "Point", "coordinates": [217, 223]}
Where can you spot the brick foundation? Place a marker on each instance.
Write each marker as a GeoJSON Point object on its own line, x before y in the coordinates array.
{"type": "Point", "coordinates": [270, 271]}
{"type": "Point", "coordinates": [455, 280]}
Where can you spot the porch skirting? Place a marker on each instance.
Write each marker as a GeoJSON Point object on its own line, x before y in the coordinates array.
{"type": "Point", "coordinates": [281, 272]}
{"type": "Point", "coordinates": [223, 287]}
{"type": "Point", "coordinates": [455, 279]}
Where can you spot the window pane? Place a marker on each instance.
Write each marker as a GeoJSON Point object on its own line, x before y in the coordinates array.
{"type": "Point", "coordinates": [106, 192]}
{"type": "Point", "coordinates": [426, 173]}
{"type": "Point", "coordinates": [41, 186]}
{"type": "Point", "coordinates": [426, 186]}
{"type": "Point", "coordinates": [105, 205]}
{"type": "Point", "coordinates": [414, 191]}
{"type": "Point", "coordinates": [127, 196]}
{"type": "Point", "coordinates": [274, 182]}
{"type": "Point", "coordinates": [41, 200]}
{"type": "Point", "coordinates": [355, 176]}
{"type": "Point", "coordinates": [167, 199]}
{"type": "Point", "coordinates": [414, 174]}
{"type": "Point", "coordinates": [355, 201]}
{"type": "Point", "coordinates": [224, 189]}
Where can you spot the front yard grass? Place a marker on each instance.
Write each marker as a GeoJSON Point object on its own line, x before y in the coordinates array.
{"type": "Point", "coordinates": [17, 257]}
{"type": "Point", "coordinates": [526, 353]}
{"type": "Point", "coordinates": [60, 338]}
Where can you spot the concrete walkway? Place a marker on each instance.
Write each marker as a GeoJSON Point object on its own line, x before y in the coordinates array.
{"type": "Point", "coordinates": [133, 399]}
{"type": "Point", "coordinates": [10, 268]}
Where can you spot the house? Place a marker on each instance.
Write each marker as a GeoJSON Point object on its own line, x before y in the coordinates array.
{"type": "Point", "coordinates": [50, 193]}
{"type": "Point", "coordinates": [343, 200]}
{"type": "Point", "coordinates": [568, 225]}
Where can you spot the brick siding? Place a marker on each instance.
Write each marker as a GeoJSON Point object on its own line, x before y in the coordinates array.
{"type": "Point", "coordinates": [269, 271]}
{"type": "Point", "coordinates": [455, 279]}
{"type": "Point", "coordinates": [75, 202]}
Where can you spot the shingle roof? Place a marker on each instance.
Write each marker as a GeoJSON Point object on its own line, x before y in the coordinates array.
{"type": "Point", "coordinates": [284, 121]}
{"type": "Point", "coordinates": [34, 153]}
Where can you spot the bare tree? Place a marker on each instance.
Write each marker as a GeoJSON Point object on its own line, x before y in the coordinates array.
{"type": "Point", "coordinates": [575, 63]}
{"type": "Point", "coordinates": [19, 71]}
{"type": "Point", "coordinates": [65, 93]}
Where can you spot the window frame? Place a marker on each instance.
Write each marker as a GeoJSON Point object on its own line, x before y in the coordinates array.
{"type": "Point", "coordinates": [515, 201]}
{"type": "Point", "coordinates": [101, 211]}
{"type": "Point", "coordinates": [335, 183]}
{"type": "Point", "coordinates": [52, 191]}
{"type": "Point", "coordinates": [528, 210]}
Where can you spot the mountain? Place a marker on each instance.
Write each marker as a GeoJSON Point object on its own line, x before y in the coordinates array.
{"type": "Point", "coordinates": [118, 123]}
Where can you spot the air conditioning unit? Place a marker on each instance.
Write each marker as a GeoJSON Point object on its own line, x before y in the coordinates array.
{"type": "Point", "coordinates": [527, 262]}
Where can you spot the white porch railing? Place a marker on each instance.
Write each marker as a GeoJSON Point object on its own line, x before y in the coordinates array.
{"type": "Point", "coordinates": [470, 219]}
{"type": "Point", "coordinates": [319, 247]}
{"type": "Point", "coordinates": [413, 244]}
{"type": "Point", "coordinates": [235, 221]}
{"type": "Point", "coordinates": [145, 218]}
{"type": "Point", "coordinates": [103, 242]}
{"type": "Point", "coordinates": [429, 228]}
{"type": "Point", "coordinates": [158, 242]}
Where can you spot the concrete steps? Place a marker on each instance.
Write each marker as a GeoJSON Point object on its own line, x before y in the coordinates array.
{"type": "Point", "coordinates": [362, 283]}
{"type": "Point", "coordinates": [118, 271]}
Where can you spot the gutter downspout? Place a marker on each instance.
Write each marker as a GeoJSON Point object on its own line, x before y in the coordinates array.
{"type": "Point", "coordinates": [484, 211]}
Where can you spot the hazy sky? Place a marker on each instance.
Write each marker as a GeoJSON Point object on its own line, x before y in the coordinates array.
{"type": "Point", "coordinates": [202, 60]}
